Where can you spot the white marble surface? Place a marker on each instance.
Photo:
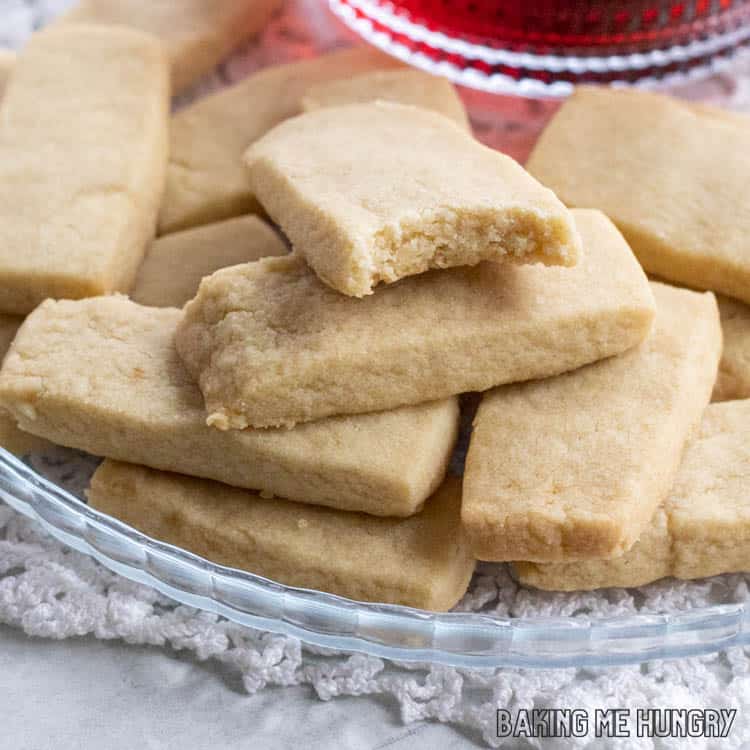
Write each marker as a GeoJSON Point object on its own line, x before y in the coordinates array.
{"type": "Point", "coordinates": [85, 694]}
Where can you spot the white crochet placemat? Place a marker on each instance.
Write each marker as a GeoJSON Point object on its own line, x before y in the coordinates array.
{"type": "Point", "coordinates": [51, 591]}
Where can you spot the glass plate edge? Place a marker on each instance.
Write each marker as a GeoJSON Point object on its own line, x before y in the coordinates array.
{"type": "Point", "coordinates": [387, 631]}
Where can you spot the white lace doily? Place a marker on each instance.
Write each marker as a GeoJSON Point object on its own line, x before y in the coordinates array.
{"type": "Point", "coordinates": [51, 591]}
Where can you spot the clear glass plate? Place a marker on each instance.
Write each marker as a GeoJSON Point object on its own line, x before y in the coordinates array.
{"type": "Point", "coordinates": [456, 638]}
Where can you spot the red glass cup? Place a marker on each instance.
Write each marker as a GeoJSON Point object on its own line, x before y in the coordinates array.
{"type": "Point", "coordinates": [544, 47]}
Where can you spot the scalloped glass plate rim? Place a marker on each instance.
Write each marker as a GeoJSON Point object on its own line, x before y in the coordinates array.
{"type": "Point", "coordinates": [388, 631]}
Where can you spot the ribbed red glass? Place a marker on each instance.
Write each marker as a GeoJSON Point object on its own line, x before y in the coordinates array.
{"type": "Point", "coordinates": [551, 25]}
{"type": "Point", "coordinates": [493, 43]}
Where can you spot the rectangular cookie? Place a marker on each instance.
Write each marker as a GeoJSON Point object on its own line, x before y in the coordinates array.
{"type": "Point", "coordinates": [82, 160]}
{"type": "Point", "coordinates": [328, 178]}
{"type": "Point", "coordinates": [422, 561]}
{"type": "Point", "coordinates": [206, 179]}
{"type": "Point", "coordinates": [574, 467]}
{"type": "Point", "coordinates": [404, 86]}
{"type": "Point", "coordinates": [102, 375]}
{"type": "Point", "coordinates": [197, 34]}
{"type": "Point", "coordinates": [175, 264]}
{"type": "Point", "coordinates": [11, 438]}
{"type": "Point", "coordinates": [671, 175]}
{"type": "Point", "coordinates": [703, 527]}
{"type": "Point", "coordinates": [733, 380]}
{"type": "Point", "coordinates": [270, 344]}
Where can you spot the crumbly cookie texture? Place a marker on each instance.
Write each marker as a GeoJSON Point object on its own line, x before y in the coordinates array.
{"type": "Point", "coordinates": [80, 179]}
{"type": "Point", "coordinates": [328, 178]}
{"type": "Point", "coordinates": [7, 61]}
{"type": "Point", "coordinates": [206, 179]}
{"type": "Point", "coordinates": [11, 438]}
{"type": "Point", "coordinates": [671, 175]}
{"type": "Point", "coordinates": [734, 371]}
{"type": "Point", "coordinates": [197, 34]}
{"type": "Point", "coordinates": [574, 467]}
{"type": "Point", "coordinates": [270, 344]}
{"type": "Point", "coordinates": [407, 86]}
{"type": "Point", "coordinates": [702, 529]}
{"type": "Point", "coordinates": [102, 375]}
{"type": "Point", "coordinates": [175, 264]}
{"type": "Point", "coordinates": [422, 561]}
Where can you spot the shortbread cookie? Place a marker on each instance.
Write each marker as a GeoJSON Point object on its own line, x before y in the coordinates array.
{"type": "Point", "coordinates": [7, 60]}
{"type": "Point", "coordinates": [83, 149]}
{"type": "Point", "coordinates": [405, 86]}
{"type": "Point", "coordinates": [672, 176]}
{"type": "Point", "coordinates": [270, 344]}
{"type": "Point", "coordinates": [11, 438]}
{"type": "Point", "coordinates": [206, 179]}
{"type": "Point", "coordinates": [174, 265]}
{"type": "Point", "coordinates": [197, 34]}
{"type": "Point", "coordinates": [734, 371]}
{"type": "Point", "coordinates": [371, 193]}
{"type": "Point", "coordinates": [420, 561]}
{"type": "Point", "coordinates": [733, 379]}
{"type": "Point", "coordinates": [702, 529]}
{"type": "Point", "coordinates": [574, 467]}
{"type": "Point", "coordinates": [102, 375]}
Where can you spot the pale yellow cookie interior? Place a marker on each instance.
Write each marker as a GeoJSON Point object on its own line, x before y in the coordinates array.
{"type": "Point", "coordinates": [374, 192]}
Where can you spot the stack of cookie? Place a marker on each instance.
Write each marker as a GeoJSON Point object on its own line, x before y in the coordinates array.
{"type": "Point", "coordinates": [294, 414]}
{"type": "Point", "coordinates": [673, 176]}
